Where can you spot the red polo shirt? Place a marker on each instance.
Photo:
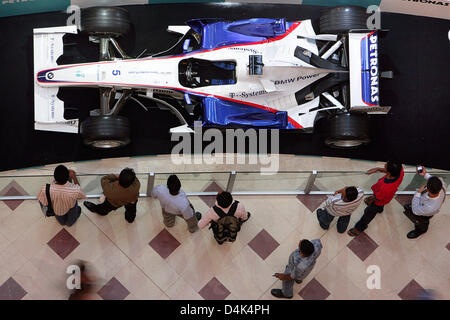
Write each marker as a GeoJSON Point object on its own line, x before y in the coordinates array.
{"type": "Point", "coordinates": [385, 189]}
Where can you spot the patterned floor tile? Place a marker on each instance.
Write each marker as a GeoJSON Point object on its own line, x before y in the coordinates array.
{"type": "Point", "coordinates": [312, 202]}
{"type": "Point", "coordinates": [411, 291]}
{"type": "Point", "coordinates": [263, 244]}
{"type": "Point", "coordinates": [11, 290]}
{"type": "Point", "coordinates": [362, 246]}
{"type": "Point", "coordinates": [212, 187]}
{"type": "Point", "coordinates": [404, 199]}
{"type": "Point", "coordinates": [214, 290]}
{"type": "Point", "coordinates": [314, 290]}
{"type": "Point", "coordinates": [13, 189]}
{"type": "Point", "coordinates": [164, 243]}
{"type": "Point", "coordinates": [63, 243]}
{"type": "Point", "coordinates": [113, 290]}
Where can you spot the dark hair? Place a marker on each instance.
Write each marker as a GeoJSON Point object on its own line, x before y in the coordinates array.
{"type": "Point", "coordinates": [306, 247]}
{"type": "Point", "coordinates": [394, 168]}
{"type": "Point", "coordinates": [126, 177]}
{"type": "Point", "coordinates": [61, 174]}
{"type": "Point", "coordinates": [434, 185]}
{"type": "Point", "coordinates": [174, 184]}
{"type": "Point", "coordinates": [224, 199]}
{"type": "Point", "coordinates": [351, 193]}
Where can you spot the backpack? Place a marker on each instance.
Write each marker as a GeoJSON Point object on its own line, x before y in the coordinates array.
{"type": "Point", "coordinates": [227, 227]}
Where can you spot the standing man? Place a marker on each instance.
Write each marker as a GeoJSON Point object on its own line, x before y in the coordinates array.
{"type": "Point", "coordinates": [342, 204]}
{"type": "Point", "coordinates": [63, 196]}
{"type": "Point", "coordinates": [174, 203]}
{"type": "Point", "coordinates": [427, 202]}
{"type": "Point", "coordinates": [119, 190]}
{"type": "Point", "coordinates": [383, 192]}
{"type": "Point", "coordinates": [301, 262]}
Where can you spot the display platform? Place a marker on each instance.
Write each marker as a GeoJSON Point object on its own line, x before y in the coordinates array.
{"type": "Point", "coordinates": [415, 130]}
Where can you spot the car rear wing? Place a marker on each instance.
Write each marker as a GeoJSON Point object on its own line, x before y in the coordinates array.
{"type": "Point", "coordinates": [48, 109]}
{"type": "Point", "coordinates": [364, 72]}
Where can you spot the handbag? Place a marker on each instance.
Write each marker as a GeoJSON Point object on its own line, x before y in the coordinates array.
{"type": "Point", "coordinates": [48, 209]}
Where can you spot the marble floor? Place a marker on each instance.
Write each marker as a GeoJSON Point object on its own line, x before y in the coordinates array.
{"type": "Point", "coordinates": [145, 260]}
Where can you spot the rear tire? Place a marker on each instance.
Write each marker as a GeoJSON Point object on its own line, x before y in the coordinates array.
{"type": "Point", "coordinates": [105, 132]}
{"type": "Point", "coordinates": [347, 130]}
{"type": "Point", "coordinates": [342, 19]}
{"type": "Point", "coordinates": [107, 21]}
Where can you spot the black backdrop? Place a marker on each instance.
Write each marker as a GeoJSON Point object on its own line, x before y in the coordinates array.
{"type": "Point", "coordinates": [417, 130]}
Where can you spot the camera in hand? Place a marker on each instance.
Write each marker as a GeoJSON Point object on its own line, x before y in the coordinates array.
{"type": "Point", "coordinates": [419, 169]}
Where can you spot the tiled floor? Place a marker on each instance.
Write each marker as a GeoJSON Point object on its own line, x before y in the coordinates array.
{"type": "Point", "coordinates": [145, 260]}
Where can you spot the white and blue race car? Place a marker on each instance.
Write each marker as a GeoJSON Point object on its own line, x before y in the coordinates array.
{"type": "Point", "coordinates": [254, 73]}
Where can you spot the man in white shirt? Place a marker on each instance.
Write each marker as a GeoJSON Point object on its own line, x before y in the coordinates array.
{"type": "Point", "coordinates": [342, 204]}
{"type": "Point", "coordinates": [427, 202]}
{"type": "Point", "coordinates": [174, 203]}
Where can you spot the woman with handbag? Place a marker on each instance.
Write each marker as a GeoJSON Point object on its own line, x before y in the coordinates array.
{"type": "Point", "coordinates": [59, 198]}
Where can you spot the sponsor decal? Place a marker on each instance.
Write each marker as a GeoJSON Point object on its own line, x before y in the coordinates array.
{"type": "Point", "coordinates": [116, 72]}
{"type": "Point", "coordinates": [52, 106]}
{"type": "Point", "coordinates": [79, 74]}
{"type": "Point", "coordinates": [369, 69]}
{"type": "Point", "coordinates": [437, 3]}
{"type": "Point", "coordinates": [52, 49]}
{"type": "Point", "coordinates": [50, 75]}
{"type": "Point", "coordinates": [295, 79]}
{"type": "Point", "coordinates": [247, 94]}
{"type": "Point", "coordinates": [244, 49]}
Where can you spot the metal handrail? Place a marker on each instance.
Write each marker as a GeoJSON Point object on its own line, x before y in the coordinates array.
{"type": "Point", "coordinates": [230, 184]}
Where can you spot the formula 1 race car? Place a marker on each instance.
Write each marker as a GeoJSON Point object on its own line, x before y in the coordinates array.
{"type": "Point", "coordinates": [253, 73]}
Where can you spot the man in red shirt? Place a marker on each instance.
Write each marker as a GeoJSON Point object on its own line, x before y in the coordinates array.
{"type": "Point", "coordinates": [383, 192]}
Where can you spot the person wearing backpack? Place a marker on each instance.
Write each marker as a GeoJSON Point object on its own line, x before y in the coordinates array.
{"type": "Point", "coordinates": [225, 217]}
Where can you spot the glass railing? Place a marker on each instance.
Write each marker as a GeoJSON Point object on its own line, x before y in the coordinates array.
{"type": "Point", "coordinates": [239, 183]}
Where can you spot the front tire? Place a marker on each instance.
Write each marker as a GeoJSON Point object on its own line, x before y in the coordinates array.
{"type": "Point", "coordinates": [106, 21]}
{"type": "Point", "coordinates": [105, 132]}
{"type": "Point", "coordinates": [347, 130]}
{"type": "Point", "coordinates": [340, 20]}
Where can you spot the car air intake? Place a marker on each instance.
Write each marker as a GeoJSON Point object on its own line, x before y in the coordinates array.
{"type": "Point", "coordinates": [255, 65]}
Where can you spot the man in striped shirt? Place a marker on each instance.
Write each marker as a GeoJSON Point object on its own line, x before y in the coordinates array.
{"type": "Point", "coordinates": [427, 202]}
{"type": "Point", "coordinates": [64, 196]}
{"type": "Point", "coordinates": [342, 204]}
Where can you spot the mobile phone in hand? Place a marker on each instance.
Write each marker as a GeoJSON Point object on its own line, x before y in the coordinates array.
{"type": "Point", "coordinates": [419, 169]}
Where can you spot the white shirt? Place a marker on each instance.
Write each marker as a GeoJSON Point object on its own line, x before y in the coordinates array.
{"type": "Point", "coordinates": [178, 205]}
{"type": "Point", "coordinates": [423, 205]}
{"type": "Point", "coordinates": [337, 207]}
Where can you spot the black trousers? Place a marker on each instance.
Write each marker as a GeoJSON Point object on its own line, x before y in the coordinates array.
{"type": "Point", "coordinates": [421, 223]}
{"type": "Point", "coordinates": [106, 207]}
{"type": "Point", "coordinates": [369, 213]}
{"type": "Point", "coordinates": [325, 219]}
